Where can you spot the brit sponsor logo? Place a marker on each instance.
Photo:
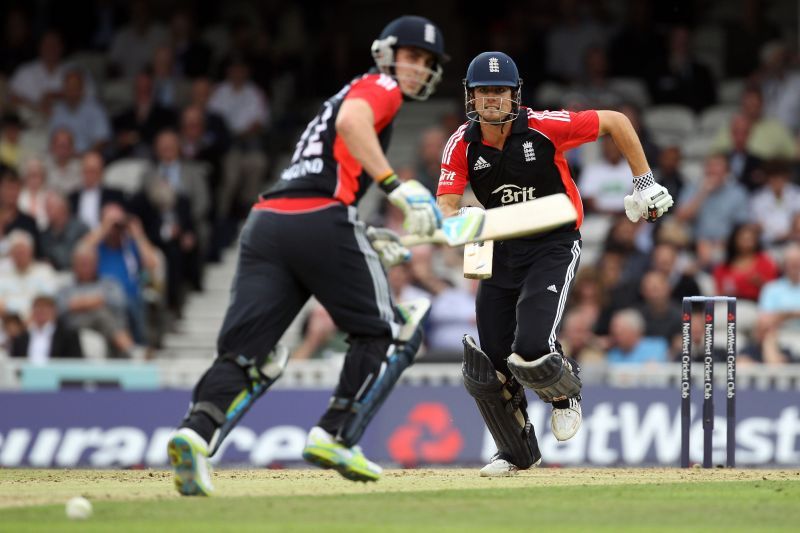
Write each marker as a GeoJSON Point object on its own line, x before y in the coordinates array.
{"type": "Point", "coordinates": [481, 163]}
{"type": "Point", "coordinates": [514, 194]}
{"type": "Point", "coordinates": [447, 177]}
{"type": "Point", "coordinates": [527, 151]}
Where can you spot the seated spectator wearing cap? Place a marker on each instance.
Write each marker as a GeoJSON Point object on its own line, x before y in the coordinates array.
{"type": "Point", "coordinates": [628, 343]}
{"type": "Point", "coordinates": [21, 277]}
{"type": "Point", "coordinates": [47, 337]}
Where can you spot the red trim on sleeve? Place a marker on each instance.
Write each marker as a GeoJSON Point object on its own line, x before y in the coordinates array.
{"type": "Point", "coordinates": [566, 129]}
{"type": "Point", "coordinates": [454, 176]}
{"type": "Point", "coordinates": [569, 185]}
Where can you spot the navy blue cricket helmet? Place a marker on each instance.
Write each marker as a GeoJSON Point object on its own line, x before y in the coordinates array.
{"type": "Point", "coordinates": [492, 69]}
{"type": "Point", "coordinates": [411, 30]}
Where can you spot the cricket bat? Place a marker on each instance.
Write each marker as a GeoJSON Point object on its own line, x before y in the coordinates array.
{"type": "Point", "coordinates": [478, 259]}
{"type": "Point", "coordinates": [501, 223]}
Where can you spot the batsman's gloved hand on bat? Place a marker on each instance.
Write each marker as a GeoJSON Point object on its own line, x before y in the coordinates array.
{"type": "Point", "coordinates": [649, 199]}
{"type": "Point", "coordinates": [390, 250]}
{"type": "Point", "coordinates": [422, 215]}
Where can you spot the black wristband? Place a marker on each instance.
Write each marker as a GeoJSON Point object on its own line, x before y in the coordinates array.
{"type": "Point", "coordinates": [389, 184]}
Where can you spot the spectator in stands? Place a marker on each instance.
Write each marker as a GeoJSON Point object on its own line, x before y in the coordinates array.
{"type": "Point", "coordinates": [95, 302]}
{"type": "Point", "coordinates": [713, 207]}
{"type": "Point", "coordinates": [769, 138]}
{"type": "Point", "coordinates": [622, 239]}
{"type": "Point", "coordinates": [744, 37]}
{"type": "Point", "coordinates": [746, 268]}
{"type": "Point", "coordinates": [569, 39]}
{"type": "Point", "coordinates": [780, 85]}
{"type": "Point", "coordinates": [776, 204]}
{"type": "Point", "coordinates": [125, 255]}
{"type": "Point", "coordinates": [779, 302]}
{"type": "Point", "coordinates": [664, 259]}
{"type": "Point", "coordinates": [199, 143]}
{"type": "Point", "coordinates": [35, 85]}
{"type": "Point", "coordinates": [47, 337]}
{"type": "Point", "coordinates": [13, 327]}
{"type": "Point", "coordinates": [183, 178]}
{"type": "Point", "coordinates": [17, 46]}
{"type": "Point", "coordinates": [192, 55]}
{"type": "Point", "coordinates": [63, 232]}
{"type": "Point", "coordinates": [319, 332]}
{"type": "Point", "coordinates": [165, 77]}
{"type": "Point", "coordinates": [215, 126]}
{"type": "Point", "coordinates": [681, 79]}
{"type": "Point", "coordinates": [764, 347]}
{"type": "Point", "coordinates": [745, 167]}
{"type": "Point", "coordinates": [604, 182]}
{"type": "Point", "coordinates": [452, 316]}
{"type": "Point", "coordinates": [63, 167]}
{"type": "Point", "coordinates": [244, 107]}
{"type": "Point", "coordinates": [669, 172]}
{"type": "Point", "coordinates": [662, 316]}
{"type": "Point", "coordinates": [588, 294]}
{"type": "Point", "coordinates": [81, 114]}
{"type": "Point", "coordinates": [620, 291]}
{"type": "Point", "coordinates": [88, 202]}
{"type": "Point", "coordinates": [133, 46]}
{"type": "Point", "coordinates": [578, 339]}
{"type": "Point", "coordinates": [21, 277]}
{"type": "Point", "coordinates": [11, 218]}
{"type": "Point", "coordinates": [9, 140]}
{"type": "Point", "coordinates": [592, 91]}
{"type": "Point", "coordinates": [136, 127]}
{"type": "Point", "coordinates": [32, 196]}
{"type": "Point", "coordinates": [429, 157]}
{"type": "Point", "coordinates": [628, 343]}
{"type": "Point", "coordinates": [166, 216]}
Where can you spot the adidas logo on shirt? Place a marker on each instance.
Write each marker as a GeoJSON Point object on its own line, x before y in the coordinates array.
{"type": "Point", "coordinates": [552, 288]}
{"type": "Point", "coordinates": [481, 163]}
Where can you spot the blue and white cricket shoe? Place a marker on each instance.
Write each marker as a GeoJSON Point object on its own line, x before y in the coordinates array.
{"type": "Point", "coordinates": [188, 455]}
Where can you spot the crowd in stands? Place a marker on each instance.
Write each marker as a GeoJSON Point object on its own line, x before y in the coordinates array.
{"type": "Point", "coordinates": [130, 154]}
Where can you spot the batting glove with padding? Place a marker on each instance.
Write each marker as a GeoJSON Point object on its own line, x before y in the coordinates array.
{"type": "Point", "coordinates": [386, 242]}
{"type": "Point", "coordinates": [422, 215]}
{"type": "Point", "coordinates": [649, 199]}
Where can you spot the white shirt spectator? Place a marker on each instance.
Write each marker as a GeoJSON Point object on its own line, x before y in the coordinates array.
{"type": "Point", "coordinates": [775, 214]}
{"type": "Point", "coordinates": [32, 80]}
{"type": "Point", "coordinates": [63, 179]}
{"type": "Point", "coordinates": [132, 51]}
{"type": "Point", "coordinates": [39, 344]}
{"type": "Point", "coordinates": [240, 108]}
{"type": "Point", "coordinates": [88, 123]}
{"type": "Point", "coordinates": [32, 204]}
{"type": "Point", "coordinates": [18, 289]}
{"type": "Point", "coordinates": [606, 184]}
{"type": "Point", "coordinates": [89, 207]}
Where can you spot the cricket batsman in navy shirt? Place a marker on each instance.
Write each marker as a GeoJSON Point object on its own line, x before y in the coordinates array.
{"type": "Point", "coordinates": [303, 238]}
{"type": "Point", "coordinates": [510, 154]}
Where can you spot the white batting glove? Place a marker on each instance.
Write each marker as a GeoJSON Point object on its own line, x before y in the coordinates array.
{"type": "Point", "coordinates": [422, 215]}
{"type": "Point", "coordinates": [386, 242]}
{"type": "Point", "coordinates": [648, 201]}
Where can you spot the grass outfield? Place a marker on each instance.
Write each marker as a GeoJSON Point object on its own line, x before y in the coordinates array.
{"type": "Point", "coordinates": [409, 500]}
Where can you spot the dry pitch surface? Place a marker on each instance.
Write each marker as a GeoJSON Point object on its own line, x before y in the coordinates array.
{"type": "Point", "coordinates": [569, 499]}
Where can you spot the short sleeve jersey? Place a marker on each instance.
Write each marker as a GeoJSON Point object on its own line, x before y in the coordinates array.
{"type": "Point", "coordinates": [530, 165]}
{"type": "Point", "coordinates": [322, 165]}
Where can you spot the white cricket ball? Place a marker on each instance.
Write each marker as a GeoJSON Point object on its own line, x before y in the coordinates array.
{"type": "Point", "coordinates": [78, 508]}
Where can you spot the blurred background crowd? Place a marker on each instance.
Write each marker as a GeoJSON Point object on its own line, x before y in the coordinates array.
{"type": "Point", "coordinates": [134, 136]}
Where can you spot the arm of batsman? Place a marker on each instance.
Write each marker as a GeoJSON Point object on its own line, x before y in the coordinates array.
{"type": "Point", "coordinates": [387, 243]}
{"type": "Point", "coordinates": [649, 201]}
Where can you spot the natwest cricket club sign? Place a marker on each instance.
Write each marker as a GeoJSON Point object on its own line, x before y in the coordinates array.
{"type": "Point", "coordinates": [417, 426]}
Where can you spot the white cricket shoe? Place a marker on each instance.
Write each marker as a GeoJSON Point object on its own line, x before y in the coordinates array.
{"type": "Point", "coordinates": [566, 421]}
{"type": "Point", "coordinates": [499, 467]}
{"type": "Point", "coordinates": [188, 455]}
